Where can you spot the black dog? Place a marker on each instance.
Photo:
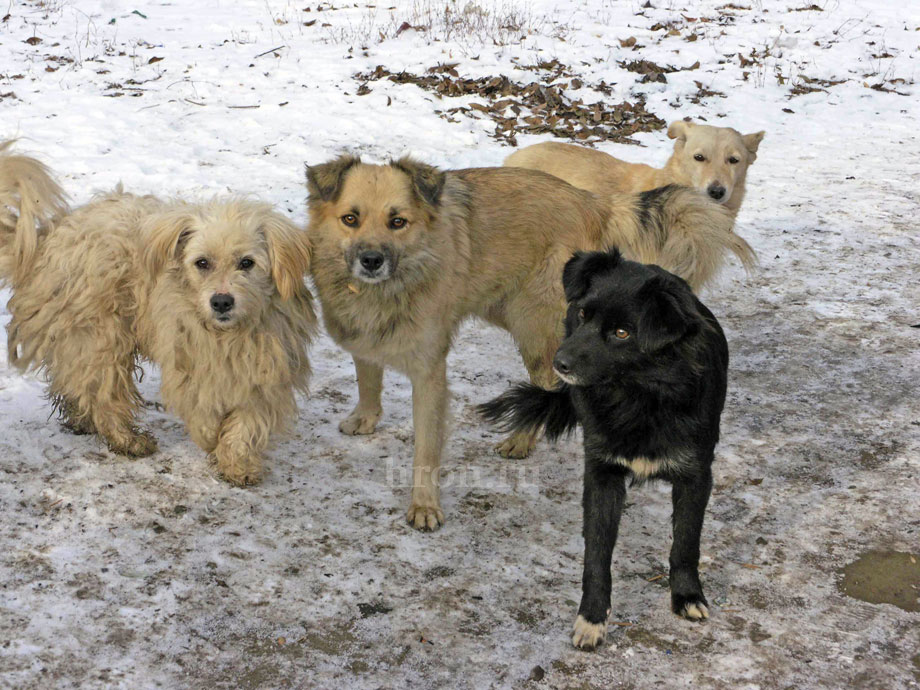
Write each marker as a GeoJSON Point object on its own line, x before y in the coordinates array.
{"type": "Point", "coordinates": [644, 365]}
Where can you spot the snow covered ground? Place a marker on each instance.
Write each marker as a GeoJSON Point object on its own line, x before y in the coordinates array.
{"type": "Point", "coordinates": [154, 573]}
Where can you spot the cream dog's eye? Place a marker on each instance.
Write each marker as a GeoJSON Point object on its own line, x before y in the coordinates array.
{"type": "Point", "coordinates": [350, 219]}
{"type": "Point", "coordinates": [398, 223]}
{"type": "Point", "coordinates": [733, 160]}
{"type": "Point", "coordinates": [699, 157]}
{"type": "Point", "coordinates": [245, 264]}
{"type": "Point", "coordinates": [621, 333]}
{"type": "Point", "coordinates": [202, 264]}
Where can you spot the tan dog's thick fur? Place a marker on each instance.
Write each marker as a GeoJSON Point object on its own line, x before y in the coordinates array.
{"type": "Point", "coordinates": [402, 253]}
{"type": "Point", "coordinates": [212, 293]}
{"type": "Point", "coordinates": [713, 160]}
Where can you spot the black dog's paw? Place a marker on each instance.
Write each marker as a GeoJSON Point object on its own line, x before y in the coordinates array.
{"type": "Point", "coordinates": [693, 607]}
{"type": "Point", "coordinates": [588, 636]}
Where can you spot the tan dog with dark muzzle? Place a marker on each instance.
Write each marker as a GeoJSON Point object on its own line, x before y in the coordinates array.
{"type": "Point", "coordinates": [402, 253]}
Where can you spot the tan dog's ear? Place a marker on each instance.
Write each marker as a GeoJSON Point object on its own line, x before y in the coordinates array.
{"type": "Point", "coordinates": [165, 235]}
{"type": "Point", "coordinates": [427, 180]}
{"type": "Point", "coordinates": [752, 142]}
{"type": "Point", "coordinates": [289, 252]}
{"type": "Point", "coordinates": [324, 181]}
{"type": "Point", "coordinates": [678, 129]}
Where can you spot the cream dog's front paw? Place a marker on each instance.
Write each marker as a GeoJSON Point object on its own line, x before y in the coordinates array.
{"type": "Point", "coordinates": [238, 469]}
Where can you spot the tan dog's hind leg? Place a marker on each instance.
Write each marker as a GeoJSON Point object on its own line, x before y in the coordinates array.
{"type": "Point", "coordinates": [429, 411]}
{"type": "Point", "coordinates": [241, 441]}
{"type": "Point", "coordinates": [537, 350]}
{"type": "Point", "coordinates": [363, 419]}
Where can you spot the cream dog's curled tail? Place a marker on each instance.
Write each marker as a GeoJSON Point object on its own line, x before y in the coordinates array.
{"type": "Point", "coordinates": [30, 199]}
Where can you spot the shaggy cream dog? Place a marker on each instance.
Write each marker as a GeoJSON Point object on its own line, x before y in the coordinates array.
{"type": "Point", "coordinates": [212, 293]}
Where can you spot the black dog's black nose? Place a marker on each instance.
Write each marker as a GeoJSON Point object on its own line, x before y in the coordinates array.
{"type": "Point", "coordinates": [561, 365]}
{"type": "Point", "coordinates": [716, 191]}
{"type": "Point", "coordinates": [371, 261]}
{"type": "Point", "coordinates": [222, 302]}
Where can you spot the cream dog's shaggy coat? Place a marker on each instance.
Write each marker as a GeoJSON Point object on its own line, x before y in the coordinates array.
{"type": "Point", "coordinates": [212, 293]}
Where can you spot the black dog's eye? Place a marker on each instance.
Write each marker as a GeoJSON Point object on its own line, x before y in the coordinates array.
{"type": "Point", "coordinates": [202, 264]}
{"type": "Point", "coordinates": [398, 223]}
{"type": "Point", "coordinates": [245, 263]}
{"type": "Point", "coordinates": [699, 157]}
{"type": "Point", "coordinates": [350, 219]}
{"type": "Point", "coordinates": [581, 316]}
{"type": "Point", "coordinates": [732, 160]}
{"type": "Point", "coordinates": [621, 334]}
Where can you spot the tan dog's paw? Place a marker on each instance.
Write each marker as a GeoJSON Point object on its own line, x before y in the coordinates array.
{"type": "Point", "coordinates": [587, 635]}
{"type": "Point", "coordinates": [425, 518]}
{"type": "Point", "coordinates": [359, 423]}
{"type": "Point", "coordinates": [240, 471]}
{"type": "Point", "coordinates": [140, 444]}
{"type": "Point", "coordinates": [516, 446]}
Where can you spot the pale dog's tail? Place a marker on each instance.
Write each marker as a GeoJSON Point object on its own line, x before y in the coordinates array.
{"type": "Point", "coordinates": [30, 199]}
{"type": "Point", "coordinates": [677, 228]}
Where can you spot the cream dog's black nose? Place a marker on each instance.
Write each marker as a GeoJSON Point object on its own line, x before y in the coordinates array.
{"type": "Point", "coordinates": [221, 302]}
{"type": "Point", "coordinates": [371, 260]}
{"type": "Point", "coordinates": [716, 191]}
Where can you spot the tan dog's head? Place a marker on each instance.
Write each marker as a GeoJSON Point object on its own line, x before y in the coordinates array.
{"type": "Point", "coordinates": [378, 216]}
{"type": "Point", "coordinates": [713, 160]}
{"type": "Point", "coordinates": [230, 258]}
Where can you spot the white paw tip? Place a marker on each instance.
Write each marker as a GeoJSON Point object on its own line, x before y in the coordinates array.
{"type": "Point", "coordinates": [588, 635]}
{"type": "Point", "coordinates": [695, 611]}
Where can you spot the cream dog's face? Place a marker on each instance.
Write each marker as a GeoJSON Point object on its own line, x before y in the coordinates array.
{"type": "Point", "coordinates": [230, 259]}
{"type": "Point", "coordinates": [227, 269]}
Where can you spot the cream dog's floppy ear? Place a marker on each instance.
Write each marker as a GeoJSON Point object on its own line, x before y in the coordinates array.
{"type": "Point", "coordinates": [165, 235]}
{"type": "Point", "coordinates": [289, 251]}
{"type": "Point", "coordinates": [678, 130]}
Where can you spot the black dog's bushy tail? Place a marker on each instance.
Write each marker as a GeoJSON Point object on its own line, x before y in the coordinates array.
{"type": "Point", "coordinates": [526, 407]}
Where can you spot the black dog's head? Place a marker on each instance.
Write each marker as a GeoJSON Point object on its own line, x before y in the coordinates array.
{"type": "Point", "coordinates": [622, 318]}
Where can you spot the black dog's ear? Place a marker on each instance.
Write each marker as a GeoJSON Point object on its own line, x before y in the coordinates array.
{"type": "Point", "coordinates": [576, 276]}
{"type": "Point", "coordinates": [427, 179]}
{"type": "Point", "coordinates": [324, 181]}
{"type": "Point", "coordinates": [668, 314]}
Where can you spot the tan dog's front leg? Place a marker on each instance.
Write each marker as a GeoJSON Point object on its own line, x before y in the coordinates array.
{"type": "Point", "coordinates": [241, 441]}
{"type": "Point", "coordinates": [429, 411]}
{"type": "Point", "coordinates": [363, 419]}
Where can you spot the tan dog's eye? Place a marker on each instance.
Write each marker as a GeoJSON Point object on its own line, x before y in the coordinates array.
{"type": "Point", "coordinates": [350, 219]}
{"type": "Point", "coordinates": [398, 223]}
{"type": "Point", "coordinates": [621, 333]}
{"type": "Point", "coordinates": [202, 264]}
{"type": "Point", "coordinates": [699, 157]}
{"type": "Point", "coordinates": [245, 263]}
{"type": "Point", "coordinates": [733, 160]}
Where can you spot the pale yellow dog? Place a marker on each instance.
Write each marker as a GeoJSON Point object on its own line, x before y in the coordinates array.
{"type": "Point", "coordinates": [713, 160]}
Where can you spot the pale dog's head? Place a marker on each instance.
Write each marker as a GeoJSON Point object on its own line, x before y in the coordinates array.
{"type": "Point", "coordinates": [230, 258]}
{"type": "Point", "coordinates": [713, 160]}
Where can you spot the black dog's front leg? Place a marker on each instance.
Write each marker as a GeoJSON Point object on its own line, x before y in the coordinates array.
{"type": "Point", "coordinates": [605, 492]}
{"type": "Point", "coordinates": [689, 498]}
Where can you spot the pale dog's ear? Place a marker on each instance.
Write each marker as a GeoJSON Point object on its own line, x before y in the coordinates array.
{"type": "Point", "coordinates": [678, 130]}
{"type": "Point", "coordinates": [289, 251]}
{"type": "Point", "coordinates": [752, 143]}
{"type": "Point", "coordinates": [165, 235]}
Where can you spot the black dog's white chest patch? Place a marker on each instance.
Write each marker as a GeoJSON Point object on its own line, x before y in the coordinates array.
{"type": "Point", "coordinates": [643, 467]}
